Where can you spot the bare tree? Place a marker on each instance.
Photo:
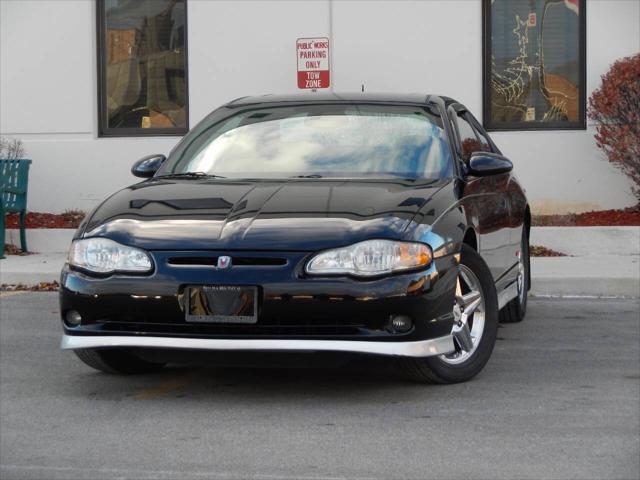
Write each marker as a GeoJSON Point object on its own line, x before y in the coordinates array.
{"type": "Point", "coordinates": [11, 148]}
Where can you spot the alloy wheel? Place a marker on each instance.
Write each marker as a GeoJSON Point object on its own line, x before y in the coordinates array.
{"type": "Point", "coordinates": [520, 282]}
{"type": "Point", "coordinates": [469, 317]}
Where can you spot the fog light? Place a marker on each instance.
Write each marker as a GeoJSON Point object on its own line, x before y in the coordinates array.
{"type": "Point", "coordinates": [400, 323]}
{"type": "Point", "coordinates": [73, 318]}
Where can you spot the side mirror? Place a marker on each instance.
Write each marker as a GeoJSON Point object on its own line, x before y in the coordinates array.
{"type": "Point", "coordinates": [482, 164]}
{"type": "Point", "coordinates": [146, 167]}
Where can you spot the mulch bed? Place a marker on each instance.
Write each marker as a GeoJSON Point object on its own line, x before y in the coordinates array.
{"type": "Point", "coordinates": [540, 251]}
{"type": "Point", "coordinates": [10, 249]}
{"type": "Point", "coordinates": [602, 218]}
{"type": "Point", "coordinates": [69, 219]}
{"type": "Point", "coordinates": [40, 287]}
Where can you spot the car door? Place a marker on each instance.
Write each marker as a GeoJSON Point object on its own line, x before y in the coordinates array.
{"type": "Point", "coordinates": [484, 199]}
{"type": "Point", "coordinates": [516, 202]}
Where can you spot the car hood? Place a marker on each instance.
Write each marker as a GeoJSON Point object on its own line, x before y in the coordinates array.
{"type": "Point", "coordinates": [297, 214]}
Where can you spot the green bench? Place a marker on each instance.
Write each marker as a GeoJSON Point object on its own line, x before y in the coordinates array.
{"type": "Point", "coordinates": [14, 178]}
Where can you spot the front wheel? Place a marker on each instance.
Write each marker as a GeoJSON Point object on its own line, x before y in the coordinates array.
{"type": "Point", "coordinates": [475, 312]}
{"type": "Point", "coordinates": [116, 360]}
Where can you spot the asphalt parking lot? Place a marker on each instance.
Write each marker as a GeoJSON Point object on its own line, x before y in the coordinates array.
{"type": "Point", "coordinates": [560, 398]}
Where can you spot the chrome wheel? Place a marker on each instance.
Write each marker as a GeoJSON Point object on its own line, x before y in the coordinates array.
{"type": "Point", "coordinates": [468, 315]}
{"type": "Point", "coordinates": [520, 282]}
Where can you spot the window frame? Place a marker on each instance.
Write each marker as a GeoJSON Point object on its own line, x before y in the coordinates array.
{"type": "Point", "coordinates": [103, 129]}
{"type": "Point", "coordinates": [488, 125]}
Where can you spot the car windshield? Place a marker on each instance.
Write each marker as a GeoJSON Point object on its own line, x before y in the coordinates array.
{"type": "Point", "coordinates": [346, 141]}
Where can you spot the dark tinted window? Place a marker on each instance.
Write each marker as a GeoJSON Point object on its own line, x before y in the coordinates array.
{"type": "Point", "coordinates": [485, 145]}
{"type": "Point", "coordinates": [329, 140]}
{"type": "Point", "coordinates": [142, 66]}
{"type": "Point", "coordinates": [468, 140]}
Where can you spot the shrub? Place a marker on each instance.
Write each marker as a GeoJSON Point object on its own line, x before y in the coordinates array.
{"type": "Point", "coordinates": [615, 108]}
{"type": "Point", "coordinates": [74, 216]}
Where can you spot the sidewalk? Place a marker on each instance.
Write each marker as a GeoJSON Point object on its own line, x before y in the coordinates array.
{"type": "Point", "coordinates": [603, 261]}
{"type": "Point", "coordinates": [31, 269]}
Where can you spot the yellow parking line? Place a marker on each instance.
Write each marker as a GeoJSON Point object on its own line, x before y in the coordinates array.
{"type": "Point", "coordinates": [164, 388]}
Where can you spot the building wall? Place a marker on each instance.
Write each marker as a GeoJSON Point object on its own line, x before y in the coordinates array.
{"type": "Point", "coordinates": [48, 93]}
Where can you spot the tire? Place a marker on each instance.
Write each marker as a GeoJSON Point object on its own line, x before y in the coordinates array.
{"type": "Point", "coordinates": [441, 369]}
{"type": "Point", "coordinates": [516, 309]}
{"type": "Point", "coordinates": [116, 361]}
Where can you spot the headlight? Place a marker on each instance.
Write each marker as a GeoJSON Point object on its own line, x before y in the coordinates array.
{"type": "Point", "coordinates": [370, 258]}
{"type": "Point", "coordinates": [102, 255]}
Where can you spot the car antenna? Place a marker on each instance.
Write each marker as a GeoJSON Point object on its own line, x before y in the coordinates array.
{"type": "Point", "coordinates": [363, 88]}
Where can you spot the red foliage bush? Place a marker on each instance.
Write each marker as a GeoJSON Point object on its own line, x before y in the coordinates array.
{"type": "Point", "coordinates": [615, 107]}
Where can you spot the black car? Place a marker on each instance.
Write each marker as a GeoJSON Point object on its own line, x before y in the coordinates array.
{"type": "Point", "coordinates": [370, 224]}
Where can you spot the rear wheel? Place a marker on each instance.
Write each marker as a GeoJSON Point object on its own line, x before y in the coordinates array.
{"type": "Point", "coordinates": [475, 313]}
{"type": "Point", "coordinates": [116, 360]}
{"type": "Point", "coordinates": [516, 309]}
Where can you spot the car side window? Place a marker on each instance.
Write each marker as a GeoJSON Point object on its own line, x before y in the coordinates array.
{"type": "Point", "coordinates": [468, 140]}
{"type": "Point", "coordinates": [485, 144]}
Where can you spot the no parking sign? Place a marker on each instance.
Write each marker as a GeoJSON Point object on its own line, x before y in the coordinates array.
{"type": "Point", "coordinates": [313, 63]}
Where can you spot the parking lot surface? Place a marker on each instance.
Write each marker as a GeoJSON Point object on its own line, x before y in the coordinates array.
{"type": "Point", "coordinates": [560, 398]}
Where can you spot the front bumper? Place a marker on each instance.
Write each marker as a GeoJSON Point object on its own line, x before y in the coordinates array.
{"type": "Point", "coordinates": [297, 312]}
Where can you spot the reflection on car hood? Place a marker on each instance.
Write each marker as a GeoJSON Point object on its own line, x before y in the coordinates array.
{"type": "Point", "coordinates": [217, 214]}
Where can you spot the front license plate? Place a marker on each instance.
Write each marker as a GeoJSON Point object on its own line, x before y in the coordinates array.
{"type": "Point", "coordinates": [222, 304]}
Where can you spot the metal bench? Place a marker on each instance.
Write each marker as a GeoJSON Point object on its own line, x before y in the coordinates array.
{"type": "Point", "coordinates": [14, 178]}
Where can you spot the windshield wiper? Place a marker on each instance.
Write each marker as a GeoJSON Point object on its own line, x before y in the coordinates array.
{"type": "Point", "coordinates": [191, 175]}
{"type": "Point", "coordinates": [315, 175]}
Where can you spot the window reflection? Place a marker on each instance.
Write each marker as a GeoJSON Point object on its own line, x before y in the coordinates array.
{"type": "Point", "coordinates": [535, 63]}
{"type": "Point", "coordinates": [343, 142]}
{"type": "Point", "coordinates": [143, 60]}
{"type": "Point", "coordinates": [468, 138]}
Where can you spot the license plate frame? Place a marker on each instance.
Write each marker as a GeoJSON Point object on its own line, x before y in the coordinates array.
{"type": "Point", "coordinates": [200, 300]}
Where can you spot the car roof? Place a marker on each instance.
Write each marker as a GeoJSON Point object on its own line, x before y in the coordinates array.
{"type": "Point", "coordinates": [357, 97]}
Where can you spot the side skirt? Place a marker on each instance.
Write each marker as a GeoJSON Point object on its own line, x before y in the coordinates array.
{"type": "Point", "coordinates": [508, 294]}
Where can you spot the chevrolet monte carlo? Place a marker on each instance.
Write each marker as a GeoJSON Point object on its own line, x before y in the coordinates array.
{"type": "Point", "coordinates": [363, 224]}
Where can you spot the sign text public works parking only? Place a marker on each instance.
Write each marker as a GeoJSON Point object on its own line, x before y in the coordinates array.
{"type": "Point", "coordinates": [313, 63]}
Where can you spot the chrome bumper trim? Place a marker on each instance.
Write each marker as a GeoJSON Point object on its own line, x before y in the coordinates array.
{"type": "Point", "coordinates": [423, 348]}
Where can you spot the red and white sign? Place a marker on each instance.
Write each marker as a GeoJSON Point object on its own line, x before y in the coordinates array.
{"type": "Point", "coordinates": [313, 63]}
{"type": "Point", "coordinates": [573, 5]}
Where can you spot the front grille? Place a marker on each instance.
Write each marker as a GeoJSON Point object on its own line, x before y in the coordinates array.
{"type": "Point", "coordinates": [235, 260]}
{"type": "Point", "coordinates": [222, 330]}
{"type": "Point", "coordinates": [267, 326]}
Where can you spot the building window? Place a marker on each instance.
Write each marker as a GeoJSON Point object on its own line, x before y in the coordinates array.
{"type": "Point", "coordinates": [534, 64]}
{"type": "Point", "coordinates": [142, 67]}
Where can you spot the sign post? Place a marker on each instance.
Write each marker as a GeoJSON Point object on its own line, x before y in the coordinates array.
{"type": "Point", "coordinates": [313, 63]}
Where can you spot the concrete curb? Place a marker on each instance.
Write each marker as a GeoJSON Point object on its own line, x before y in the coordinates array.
{"type": "Point", "coordinates": [31, 269]}
{"type": "Point", "coordinates": [581, 287]}
{"type": "Point", "coordinates": [605, 261]}
{"type": "Point", "coordinates": [602, 261]}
